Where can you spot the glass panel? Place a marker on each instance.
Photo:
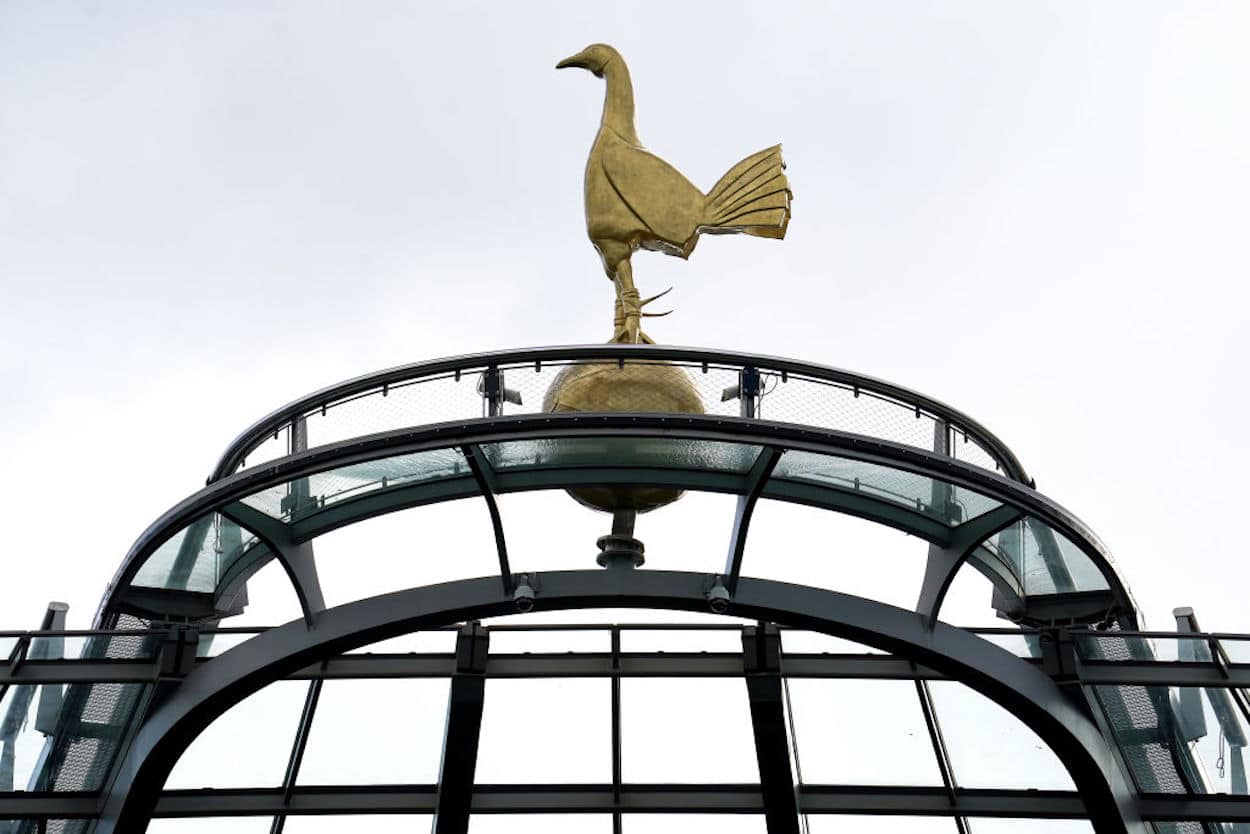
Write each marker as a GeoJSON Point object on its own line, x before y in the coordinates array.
{"type": "Point", "coordinates": [372, 824]}
{"type": "Point", "coordinates": [212, 643]}
{"type": "Point", "coordinates": [56, 647]}
{"type": "Point", "coordinates": [682, 640]}
{"type": "Point", "coordinates": [862, 732]}
{"type": "Point", "coordinates": [550, 642]}
{"type": "Point", "coordinates": [211, 825]}
{"type": "Point", "coordinates": [1021, 645]}
{"type": "Point", "coordinates": [21, 742]}
{"type": "Point", "coordinates": [853, 824]}
{"type": "Point", "coordinates": [994, 825]}
{"type": "Point", "coordinates": [991, 748]}
{"type": "Point", "coordinates": [376, 732]}
{"type": "Point", "coordinates": [1238, 651]}
{"type": "Point", "coordinates": [687, 730]}
{"type": "Point", "coordinates": [248, 746]}
{"type": "Point", "coordinates": [569, 721]}
{"type": "Point", "coordinates": [685, 823]}
{"type": "Point", "coordinates": [916, 492]}
{"type": "Point", "coordinates": [545, 823]}
{"type": "Point", "coordinates": [195, 557]}
{"type": "Point", "coordinates": [305, 496]}
{"type": "Point", "coordinates": [7, 644]}
{"type": "Point", "coordinates": [658, 452]}
{"type": "Point", "coordinates": [812, 642]}
{"type": "Point", "coordinates": [1044, 561]}
{"type": "Point", "coordinates": [418, 642]}
{"type": "Point", "coordinates": [81, 724]}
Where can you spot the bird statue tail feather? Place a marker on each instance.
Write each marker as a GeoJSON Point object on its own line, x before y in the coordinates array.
{"type": "Point", "coordinates": [752, 198]}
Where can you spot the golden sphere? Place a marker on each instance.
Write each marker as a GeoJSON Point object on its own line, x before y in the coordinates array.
{"type": "Point", "coordinates": [633, 387]}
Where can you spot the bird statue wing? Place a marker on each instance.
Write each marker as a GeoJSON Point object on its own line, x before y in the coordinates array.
{"type": "Point", "coordinates": [659, 195]}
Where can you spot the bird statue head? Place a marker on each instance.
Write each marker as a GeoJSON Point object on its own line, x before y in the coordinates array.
{"type": "Point", "coordinates": [595, 58]}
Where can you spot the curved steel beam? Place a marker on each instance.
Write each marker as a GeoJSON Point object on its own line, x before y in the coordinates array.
{"type": "Point", "coordinates": [215, 686]}
{"type": "Point", "coordinates": [268, 425]}
{"type": "Point", "coordinates": [944, 562]}
{"type": "Point", "coordinates": [565, 425]}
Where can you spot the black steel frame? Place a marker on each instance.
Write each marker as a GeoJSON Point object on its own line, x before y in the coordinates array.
{"type": "Point", "coordinates": [1021, 687]}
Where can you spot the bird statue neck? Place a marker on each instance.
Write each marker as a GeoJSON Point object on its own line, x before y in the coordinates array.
{"type": "Point", "coordinates": [618, 103]}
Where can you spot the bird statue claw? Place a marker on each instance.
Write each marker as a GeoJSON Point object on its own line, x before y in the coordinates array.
{"type": "Point", "coordinates": [628, 314]}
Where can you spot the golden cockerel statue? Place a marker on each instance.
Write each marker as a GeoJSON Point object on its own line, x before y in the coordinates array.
{"type": "Point", "coordinates": [636, 200]}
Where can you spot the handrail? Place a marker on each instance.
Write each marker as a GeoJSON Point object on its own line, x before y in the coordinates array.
{"type": "Point", "coordinates": [380, 381]}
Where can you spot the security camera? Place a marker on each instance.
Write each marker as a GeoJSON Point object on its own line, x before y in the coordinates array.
{"type": "Point", "coordinates": [718, 598]}
{"type": "Point", "coordinates": [523, 598]}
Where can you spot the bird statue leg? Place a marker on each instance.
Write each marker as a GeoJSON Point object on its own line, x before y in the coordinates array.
{"type": "Point", "coordinates": [627, 297]}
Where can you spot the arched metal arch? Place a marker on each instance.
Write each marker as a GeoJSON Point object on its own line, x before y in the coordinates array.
{"type": "Point", "coordinates": [222, 493]}
{"type": "Point", "coordinates": [226, 680]}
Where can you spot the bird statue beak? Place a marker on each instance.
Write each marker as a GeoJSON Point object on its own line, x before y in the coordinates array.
{"type": "Point", "coordinates": [579, 60]}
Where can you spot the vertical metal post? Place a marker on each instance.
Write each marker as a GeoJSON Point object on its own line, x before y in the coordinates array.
{"type": "Point", "coordinates": [616, 730]}
{"type": "Point", "coordinates": [465, 700]}
{"type": "Point", "coordinates": [761, 656]}
{"type": "Point", "coordinates": [938, 740]}
{"type": "Point", "coordinates": [297, 751]}
{"type": "Point", "coordinates": [749, 392]}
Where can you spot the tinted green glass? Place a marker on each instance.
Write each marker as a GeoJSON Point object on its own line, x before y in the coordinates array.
{"type": "Point", "coordinates": [944, 502]}
{"type": "Point", "coordinates": [303, 497]}
{"type": "Point", "coordinates": [657, 452]}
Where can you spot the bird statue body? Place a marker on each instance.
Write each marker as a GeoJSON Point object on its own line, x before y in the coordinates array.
{"type": "Point", "coordinates": [636, 200]}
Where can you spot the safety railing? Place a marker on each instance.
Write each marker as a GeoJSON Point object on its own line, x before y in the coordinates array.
{"type": "Point", "coordinates": [519, 381]}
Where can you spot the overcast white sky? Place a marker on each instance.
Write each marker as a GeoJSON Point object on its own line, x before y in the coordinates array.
{"type": "Point", "coordinates": [1035, 212]}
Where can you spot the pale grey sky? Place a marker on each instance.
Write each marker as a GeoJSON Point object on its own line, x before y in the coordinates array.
{"type": "Point", "coordinates": [1035, 212]}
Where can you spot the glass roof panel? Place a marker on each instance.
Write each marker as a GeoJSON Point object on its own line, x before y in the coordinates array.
{"type": "Point", "coordinates": [546, 731]}
{"type": "Point", "coordinates": [657, 452]}
{"type": "Point", "coordinates": [544, 823]}
{"type": "Point", "coordinates": [995, 825]}
{"type": "Point", "coordinates": [686, 730]}
{"type": "Point", "coordinates": [303, 497]}
{"type": "Point", "coordinates": [863, 824]}
{"type": "Point", "coordinates": [685, 823]}
{"type": "Point", "coordinates": [248, 746]}
{"type": "Point", "coordinates": [196, 557]}
{"type": "Point", "coordinates": [938, 500]}
{"type": "Point", "coordinates": [991, 748]}
{"type": "Point", "coordinates": [211, 825]}
{"type": "Point", "coordinates": [385, 732]}
{"type": "Point", "coordinates": [862, 732]}
{"type": "Point", "coordinates": [1045, 561]}
{"type": "Point", "coordinates": [371, 823]}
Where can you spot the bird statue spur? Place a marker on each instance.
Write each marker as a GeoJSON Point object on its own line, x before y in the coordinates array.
{"type": "Point", "coordinates": [636, 200]}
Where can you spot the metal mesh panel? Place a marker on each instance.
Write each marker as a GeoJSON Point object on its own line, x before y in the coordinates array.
{"type": "Point", "coordinates": [1142, 730]}
{"type": "Point", "coordinates": [796, 399]}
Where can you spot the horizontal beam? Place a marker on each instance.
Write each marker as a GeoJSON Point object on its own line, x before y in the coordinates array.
{"type": "Point", "coordinates": [636, 798]}
{"type": "Point", "coordinates": [632, 665]}
{"type": "Point", "coordinates": [519, 799]}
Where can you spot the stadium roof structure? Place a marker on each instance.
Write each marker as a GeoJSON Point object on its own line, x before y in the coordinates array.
{"type": "Point", "coordinates": [1128, 725]}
